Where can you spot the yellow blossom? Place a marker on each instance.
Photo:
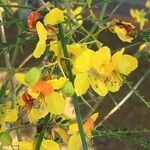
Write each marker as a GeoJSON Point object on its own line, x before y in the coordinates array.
{"type": "Point", "coordinates": [83, 78]}
{"type": "Point", "coordinates": [124, 30]}
{"type": "Point", "coordinates": [101, 71]}
{"type": "Point", "coordinates": [54, 17]}
{"type": "Point", "coordinates": [147, 4]}
{"type": "Point", "coordinates": [50, 101]}
{"type": "Point", "coordinates": [41, 45]}
{"type": "Point", "coordinates": [112, 69]}
{"type": "Point", "coordinates": [139, 16]}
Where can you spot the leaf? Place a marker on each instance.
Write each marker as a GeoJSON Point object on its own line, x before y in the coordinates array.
{"type": "Point", "coordinates": [33, 76]}
{"type": "Point", "coordinates": [5, 138]}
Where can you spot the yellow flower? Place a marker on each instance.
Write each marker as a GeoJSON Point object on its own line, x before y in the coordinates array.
{"type": "Point", "coordinates": [112, 69]}
{"type": "Point", "coordinates": [139, 16]}
{"type": "Point", "coordinates": [41, 45]}
{"type": "Point", "coordinates": [147, 4]}
{"type": "Point", "coordinates": [54, 17]}
{"type": "Point", "coordinates": [101, 71]}
{"type": "Point", "coordinates": [75, 140]}
{"type": "Point", "coordinates": [49, 101]}
{"type": "Point", "coordinates": [124, 30]}
{"type": "Point", "coordinates": [83, 79]}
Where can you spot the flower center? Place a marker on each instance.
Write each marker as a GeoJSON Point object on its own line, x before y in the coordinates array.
{"type": "Point", "coordinates": [108, 69]}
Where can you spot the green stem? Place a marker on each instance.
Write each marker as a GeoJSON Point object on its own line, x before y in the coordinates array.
{"type": "Point", "coordinates": [70, 75]}
{"type": "Point", "coordinates": [45, 124]}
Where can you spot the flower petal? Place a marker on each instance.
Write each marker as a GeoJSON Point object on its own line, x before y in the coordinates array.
{"type": "Point", "coordinates": [54, 17]}
{"type": "Point", "coordinates": [55, 103]}
{"type": "Point", "coordinates": [94, 116]}
{"type": "Point", "coordinates": [81, 83]}
{"type": "Point", "coordinates": [24, 145]}
{"type": "Point", "coordinates": [127, 64]}
{"type": "Point", "coordinates": [21, 78]}
{"type": "Point", "coordinates": [76, 49]}
{"type": "Point", "coordinates": [74, 142]}
{"type": "Point", "coordinates": [11, 115]}
{"type": "Point", "coordinates": [35, 114]}
{"type": "Point", "coordinates": [83, 62]}
{"type": "Point", "coordinates": [122, 34]}
{"type": "Point", "coordinates": [41, 31]}
{"type": "Point", "coordinates": [73, 128]}
{"type": "Point", "coordinates": [98, 86]}
{"type": "Point", "coordinates": [117, 57]}
{"type": "Point", "coordinates": [57, 83]}
{"type": "Point", "coordinates": [42, 87]}
{"type": "Point", "coordinates": [101, 57]}
{"type": "Point", "coordinates": [56, 47]}
{"type": "Point", "coordinates": [115, 83]}
{"type": "Point", "coordinates": [62, 134]}
{"type": "Point", "coordinates": [40, 49]}
{"type": "Point", "coordinates": [50, 144]}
